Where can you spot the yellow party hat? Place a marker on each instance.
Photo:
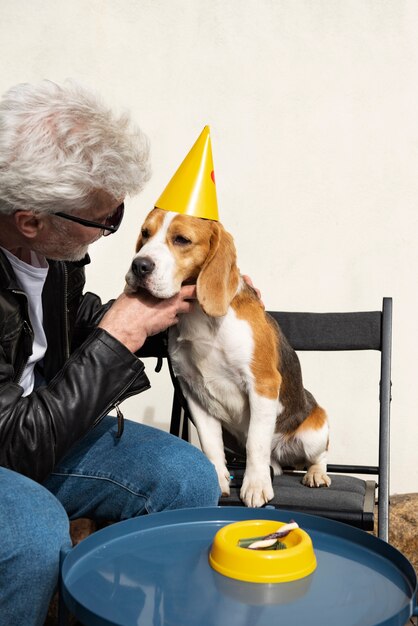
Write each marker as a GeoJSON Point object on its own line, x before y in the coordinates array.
{"type": "Point", "coordinates": [192, 189]}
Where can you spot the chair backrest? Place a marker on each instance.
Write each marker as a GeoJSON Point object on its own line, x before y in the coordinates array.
{"type": "Point", "coordinates": [369, 330]}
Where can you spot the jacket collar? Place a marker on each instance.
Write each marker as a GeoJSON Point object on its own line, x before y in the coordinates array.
{"type": "Point", "coordinates": [7, 275]}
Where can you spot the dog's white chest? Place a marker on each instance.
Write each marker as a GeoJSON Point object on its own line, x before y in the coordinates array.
{"type": "Point", "coordinates": [212, 357]}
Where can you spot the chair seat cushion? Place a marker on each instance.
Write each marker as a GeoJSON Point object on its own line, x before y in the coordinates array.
{"type": "Point", "coordinates": [348, 499]}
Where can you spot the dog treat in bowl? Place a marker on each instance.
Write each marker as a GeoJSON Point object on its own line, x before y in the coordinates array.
{"type": "Point", "coordinates": [293, 560]}
{"type": "Point", "coordinates": [270, 541]}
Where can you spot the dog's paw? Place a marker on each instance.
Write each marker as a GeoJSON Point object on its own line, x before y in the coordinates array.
{"type": "Point", "coordinates": [223, 477]}
{"type": "Point", "coordinates": [316, 477]}
{"type": "Point", "coordinates": [256, 491]}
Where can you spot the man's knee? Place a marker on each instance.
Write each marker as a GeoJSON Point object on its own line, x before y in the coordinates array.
{"type": "Point", "coordinates": [34, 529]}
{"type": "Point", "coordinates": [51, 533]}
{"type": "Point", "coordinates": [191, 480]}
{"type": "Point", "coordinates": [34, 524]}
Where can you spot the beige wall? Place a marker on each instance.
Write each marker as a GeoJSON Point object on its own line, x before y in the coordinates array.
{"type": "Point", "coordinates": [313, 107]}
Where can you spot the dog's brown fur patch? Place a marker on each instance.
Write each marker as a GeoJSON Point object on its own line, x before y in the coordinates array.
{"type": "Point", "coordinates": [152, 224]}
{"type": "Point", "coordinates": [264, 364]}
{"type": "Point", "coordinates": [315, 420]}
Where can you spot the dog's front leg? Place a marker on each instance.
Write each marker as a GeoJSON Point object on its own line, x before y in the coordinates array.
{"type": "Point", "coordinates": [257, 489]}
{"type": "Point", "coordinates": [209, 430]}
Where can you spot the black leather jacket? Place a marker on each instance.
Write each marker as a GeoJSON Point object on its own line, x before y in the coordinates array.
{"type": "Point", "coordinates": [87, 370]}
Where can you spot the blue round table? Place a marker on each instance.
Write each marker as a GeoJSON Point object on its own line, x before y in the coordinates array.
{"type": "Point", "coordinates": [154, 571]}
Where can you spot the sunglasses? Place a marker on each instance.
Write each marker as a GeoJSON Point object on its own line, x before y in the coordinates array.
{"type": "Point", "coordinates": [109, 226]}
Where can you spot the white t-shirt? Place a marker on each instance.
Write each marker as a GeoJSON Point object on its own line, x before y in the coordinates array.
{"type": "Point", "coordinates": [31, 280]}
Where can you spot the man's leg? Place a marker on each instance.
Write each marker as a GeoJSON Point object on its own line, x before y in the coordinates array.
{"type": "Point", "coordinates": [145, 471]}
{"type": "Point", "coordinates": [34, 527]}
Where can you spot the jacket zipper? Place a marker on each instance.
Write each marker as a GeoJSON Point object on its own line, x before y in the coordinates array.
{"type": "Point", "coordinates": [18, 377]}
{"type": "Point", "coordinates": [66, 324]}
{"type": "Point", "coordinates": [118, 411]}
{"type": "Point", "coordinates": [121, 422]}
{"type": "Point", "coordinates": [27, 329]}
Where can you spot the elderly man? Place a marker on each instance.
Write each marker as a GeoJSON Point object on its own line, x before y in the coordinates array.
{"type": "Point", "coordinates": [66, 165]}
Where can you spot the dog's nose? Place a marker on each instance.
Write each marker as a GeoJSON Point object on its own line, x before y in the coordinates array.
{"type": "Point", "coordinates": [142, 265]}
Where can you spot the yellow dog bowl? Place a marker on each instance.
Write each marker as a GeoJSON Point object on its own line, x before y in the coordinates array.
{"type": "Point", "coordinates": [261, 566]}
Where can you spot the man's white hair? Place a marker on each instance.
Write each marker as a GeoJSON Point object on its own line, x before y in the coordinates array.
{"type": "Point", "coordinates": [59, 144]}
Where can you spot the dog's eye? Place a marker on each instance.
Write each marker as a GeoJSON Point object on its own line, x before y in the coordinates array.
{"type": "Point", "coordinates": [145, 233]}
{"type": "Point", "coordinates": [179, 240]}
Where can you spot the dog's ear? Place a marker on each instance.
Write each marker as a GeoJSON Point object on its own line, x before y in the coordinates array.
{"type": "Point", "coordinates": [219, 277]}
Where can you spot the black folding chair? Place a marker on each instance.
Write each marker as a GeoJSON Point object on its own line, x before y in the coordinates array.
{"type": "Point", "coordinates": [349, 499]}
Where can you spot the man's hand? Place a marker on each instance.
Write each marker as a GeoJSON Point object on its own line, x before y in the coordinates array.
{"type": "Point", "coordinates": [134, 317]}
{"type": "Point", "coordinates": [250, 283]}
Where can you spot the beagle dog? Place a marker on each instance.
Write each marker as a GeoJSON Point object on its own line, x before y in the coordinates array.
{"type": "Point", "coordinates": [233, 363]}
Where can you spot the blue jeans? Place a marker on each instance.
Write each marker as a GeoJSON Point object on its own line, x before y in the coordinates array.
{"type": "Point", "coordinates": [102, 478]}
